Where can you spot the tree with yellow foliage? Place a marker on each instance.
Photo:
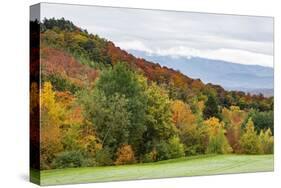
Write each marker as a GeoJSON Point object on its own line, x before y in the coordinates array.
{"type": "Point", "coordinates": [52, 114]}
{"type": "Point", "coordinates": [266, 141]}
{"type": "Point", "coordinates": [249, 141]}
{"type": "Point", "coordinates": [217, 140]}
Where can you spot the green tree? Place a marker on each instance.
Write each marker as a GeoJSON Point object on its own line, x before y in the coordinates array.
{"type": "Point", "coordinates": [211, 107]}
{"type": "Point", "coordinates": [263, 120]}
{"type": "Point", "coordinates": [170, 149]}
{"type": "Point", "coordinates": [111, 119]}
{"type": "Point", "coordinates": [158, 118]}
{"type": "Point", "coordinates": [117, 106]}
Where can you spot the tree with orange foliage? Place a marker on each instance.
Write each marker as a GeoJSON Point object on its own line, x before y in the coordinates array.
{"type": "Point", "coordinates": [182, 115]}
{"type": "Point", "coordinates": [64, 131]}
{"type": "Point", "coordinates": [234, 118]}
{"type": "Point", "coordinates": [192, 135]}
{"type": "Point", "coordinates": [125, 155]}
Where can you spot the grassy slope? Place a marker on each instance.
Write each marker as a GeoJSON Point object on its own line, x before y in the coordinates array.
{"type": "Point", "coordinates": [192, 166]}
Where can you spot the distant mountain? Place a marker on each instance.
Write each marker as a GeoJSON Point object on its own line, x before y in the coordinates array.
{"type": "Point", "coordinates": [232, 76]}
{"type": "Point", "coordinates": [265, 92]}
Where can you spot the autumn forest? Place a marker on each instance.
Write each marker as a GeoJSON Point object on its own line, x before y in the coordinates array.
{"type": "Point", "coordinates": [101, 106]}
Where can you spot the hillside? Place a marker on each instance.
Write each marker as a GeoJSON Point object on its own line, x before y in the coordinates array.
{"type": "Point", "coordinates": [98, 105]}
{"type": "Point", "coordinates": [231, 76]}
{"type": "Point", "coordinates": [97, 53]}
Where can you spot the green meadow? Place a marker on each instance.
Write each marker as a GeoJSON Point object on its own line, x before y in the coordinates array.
{"type": "Point", "coordinates": [187, 166]}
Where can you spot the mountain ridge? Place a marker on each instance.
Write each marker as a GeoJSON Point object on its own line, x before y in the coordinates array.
{"type": "Point", "coordinates": [98, 53]}
{"type": "Point", "coordinates": [228, 74]}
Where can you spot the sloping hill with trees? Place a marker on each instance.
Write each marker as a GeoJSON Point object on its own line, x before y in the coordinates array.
{"type": "Point", "coordinates": [102, 106]}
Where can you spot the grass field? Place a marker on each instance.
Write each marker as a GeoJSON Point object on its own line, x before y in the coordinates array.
{"type": "Point", "coordinates": [189, 166]}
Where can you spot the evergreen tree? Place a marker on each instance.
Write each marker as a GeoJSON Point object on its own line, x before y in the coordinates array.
{"type": "Point", "coordinates": [211, 107]}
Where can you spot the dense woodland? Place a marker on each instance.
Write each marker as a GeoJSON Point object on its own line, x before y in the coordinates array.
{"type": "Point", "coordinates": [102, 106]}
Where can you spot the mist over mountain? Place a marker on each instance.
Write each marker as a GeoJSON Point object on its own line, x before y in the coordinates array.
{"type": "Point", "coordinates": [232, 76]}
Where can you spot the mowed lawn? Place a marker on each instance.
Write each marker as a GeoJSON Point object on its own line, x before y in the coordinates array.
{"type": "Point", "coordinates": [188, 166]}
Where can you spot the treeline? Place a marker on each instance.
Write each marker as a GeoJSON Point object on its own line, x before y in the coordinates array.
{"type": "Point", "coordinates": [125, 119]}
{"type": "Point", "coordinates": [102, 106]}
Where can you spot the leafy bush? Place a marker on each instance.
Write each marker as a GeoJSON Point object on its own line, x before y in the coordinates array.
{"type": "Point", "coordinates": [68, 159]}
{"type": "Point", "coordinates": [163, 152]}
{"type": "Point", "coordinates": [196, 142]}
{"type": "Point", "coordinates": [125, 155]}
{"type": "Point", "coordinates": [150, 157]}
{"type": "Point", "coordinates": [169, 150]}
{"type": "Point", "coordinates": [176, 147]}
{"type": "Point", "coordinates": [104, 157]}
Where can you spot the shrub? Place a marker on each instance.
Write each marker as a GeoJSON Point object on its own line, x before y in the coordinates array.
{"type": "Point", "coordinates": [176, 147]}
{"type": "Point", "coordinates": [150, 157]}
{"type": "Point", "coordinates": [68, 159]}
{"type": "Point", "coordinates": [125, 155]}
{"type": "Point", "coordinates": [195, 139]}
{"type": "Point", "coordinates": [162, 149]}
{"type": "Point", "coordinates": [169, 150]}
{"type": "Point", "coordinates": [104, 157]}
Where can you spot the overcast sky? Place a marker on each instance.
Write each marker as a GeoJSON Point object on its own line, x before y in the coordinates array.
{"type": "Point", "coordinates": [237, 39]}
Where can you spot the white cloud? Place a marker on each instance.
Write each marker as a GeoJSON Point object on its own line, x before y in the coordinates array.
{"type": "Point", "coordinates": [133, 45]}
{"type": "Point", "coordinates": [240, 56]}
{"type": "Point", "coordinates": [238, 39]}
{"type": "Point", "coordinates": [230, 55]}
